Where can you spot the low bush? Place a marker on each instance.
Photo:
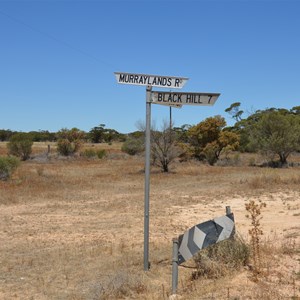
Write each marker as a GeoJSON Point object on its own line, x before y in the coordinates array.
{"type": "Point", "coordinates": [133, 146]}
{"type": "Point", "coordinates": [92, 153]}
{"type": "Point", "coordinates": [69, 141]}
{"type": "Point", "coordinates": [120, 286]}
{"type": "Point", "coordinates": [7, 166]}
{"type": "Point", "coordinates": [20, 145]}
{"type": "Point", "coordinates": [101, 153]}
{"type": "Point", "coordinates": [65, 147]}
{"type": "Point", "coordinates": [210, 151]}
{"type": "Point", "coordinates": [219, 259]}
{"type": "Point", "coordinates": [88, 153]}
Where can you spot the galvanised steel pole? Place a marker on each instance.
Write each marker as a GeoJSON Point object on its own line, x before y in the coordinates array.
{"type": "Point", "coordinates": [170, 118]}
{"type": "Point", "coordinates": [147, 178]}
{"type": "Point", "coordinates": [175, 266]}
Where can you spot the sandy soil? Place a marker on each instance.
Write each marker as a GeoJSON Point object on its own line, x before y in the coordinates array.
{"type": "Point", "coordinates": [74, 229]}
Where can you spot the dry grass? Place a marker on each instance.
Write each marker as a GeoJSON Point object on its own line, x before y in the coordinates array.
{"type": "Point", "coordinates": [73, 229]}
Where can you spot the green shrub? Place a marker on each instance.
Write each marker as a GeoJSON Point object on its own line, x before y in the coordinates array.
{"type": "Point", "coordinates": [89, 153]}
{"type": "Point", "coordinates": [133, 146]}
{"type": "Point", "coordinates": [219, 259]}
{"type": "Point", "coordinates": [101, 153]}
{"type": "Point", "coordinates": [92, 153]}
{"type": "Point", "coordinates": [20, 145]}
{"type": "Point", "coordinates": [7, 166]}
{"type": "Point", "coordinates": [210, 153]}
{"type": "Point", "coordinates": [69, 141]}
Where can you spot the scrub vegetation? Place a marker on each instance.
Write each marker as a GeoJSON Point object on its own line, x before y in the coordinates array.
{"type": "Point", "coordinates": [274, 133]}
{"type": "Point", "coordinates": [20, 145]}
{"type": "Point", "coordinates": [7, 166]}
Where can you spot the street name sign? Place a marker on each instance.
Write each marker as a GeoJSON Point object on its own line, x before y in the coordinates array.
{"type": "Point", "coordinates": [171, 82]}
{"type": "Point", "coordinates": [184, 98]}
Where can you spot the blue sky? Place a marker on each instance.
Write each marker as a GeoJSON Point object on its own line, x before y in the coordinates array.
{"type": "Point", "coordinates": [57, 59]}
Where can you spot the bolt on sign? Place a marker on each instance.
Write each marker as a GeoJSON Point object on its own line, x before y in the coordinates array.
{"type": "Point", "coordinates": [171, 82]}
{"type": "Point", "coordinates": [204, 235]}
{"type": "Point", "coordinates": [184, 98]}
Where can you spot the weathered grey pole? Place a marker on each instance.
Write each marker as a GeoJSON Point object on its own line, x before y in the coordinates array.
{"type": "Point", "coordinates": [228, 210]}
{"type": "Point", "coordinates": [175, 266]}
{"type": "Point", "coordinates": [147, 178]}
{"type": "Point", "coordinates": [170, 117]}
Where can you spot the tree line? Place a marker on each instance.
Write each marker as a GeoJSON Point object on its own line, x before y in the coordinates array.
{"type": "Point", "coordinates": [273, 132]}
{"type": "Point", "coordinates": [97, 134]}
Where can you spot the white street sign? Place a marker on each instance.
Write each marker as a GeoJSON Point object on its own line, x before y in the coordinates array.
{"type": "Point", "coordinates": [171, 82]}
{"type": "Point", "coordinates": [184, 98]}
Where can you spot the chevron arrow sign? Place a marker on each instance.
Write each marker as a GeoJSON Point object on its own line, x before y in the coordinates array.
{"type": "Point", "coordinates": [204, 235]}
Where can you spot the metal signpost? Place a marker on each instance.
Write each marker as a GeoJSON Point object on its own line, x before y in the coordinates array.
{"type": "Point", "coordinates": [170, 82]}
{"type": "Point", "coordinates": [172, 99]}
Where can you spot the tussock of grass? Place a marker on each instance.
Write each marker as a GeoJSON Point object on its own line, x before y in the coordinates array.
{"type": "Point", "coordinates": [119, 286]}
{"type": "Point", "coordinates": [91, 153]}
{"type": "Point", "coordinates": [222, 258]}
